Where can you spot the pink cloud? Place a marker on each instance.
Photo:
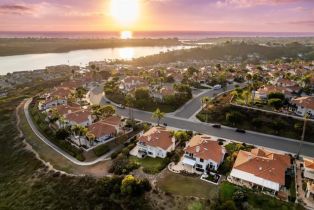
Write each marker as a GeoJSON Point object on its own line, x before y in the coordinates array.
{"type": "Point", "coordinates": [251, 3]}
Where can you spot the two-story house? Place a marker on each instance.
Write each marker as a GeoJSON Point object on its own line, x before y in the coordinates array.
{"type": "Point", "coordinates": [203, 154]}
{"type": "Point", "coordinates": [156, 142]}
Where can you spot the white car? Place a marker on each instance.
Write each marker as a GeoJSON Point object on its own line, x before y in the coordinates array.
{"type": "Point", "coordinates": [217, 87]}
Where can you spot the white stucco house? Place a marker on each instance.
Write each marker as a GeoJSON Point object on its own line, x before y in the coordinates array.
{"type": "Point", "coordinates": [305, 105]}
{"type": "Point", "coordinates": [81, 117]}
{"type": "Point", "coordinates": [261, 168]}
{"type": "Point", "coordinates": [156, 142]}
{"type": "Point", "coordinates": [203, 154]}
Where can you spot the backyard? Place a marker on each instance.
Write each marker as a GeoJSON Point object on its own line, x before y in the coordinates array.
{"type": "Point", "coordinates": [186, 186]}
{"type": "Point", "coordinates": [255, 200]}
{"type": "Point", "coordinates": [150, 165]}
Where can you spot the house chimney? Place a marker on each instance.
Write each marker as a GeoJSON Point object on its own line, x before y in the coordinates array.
{"type": "Point", "coordinates": [197, 148]}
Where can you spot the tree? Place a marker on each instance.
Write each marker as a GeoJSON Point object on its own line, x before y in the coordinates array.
{"type": "Point", "coordinates": [80, 93]}
{"type": "Point", "coordinates": [273, 95]}
{"type": "Point", "coordinates": [79, 131]}
{"type": "Point", "coordinates": [158, 115]}
{"type": "Point", "coordinates": [181, 136]}
{"type": "Point", "coordinates": [276, 103]}
{"type": "Point", "coordinates": [246, 95]}
{"type": "Point", "coordinates": [234, 117]}
{"type": "Point", "coordinates": [90, 137]}
{"type": "Point", "coordinates": [205, 100]}
{"type": "Point", "coordinates": [141, 93]}
{"type": "Point", "coordinates": [107, 110]}
{"type": "Point", "coordinates": [54, 115]}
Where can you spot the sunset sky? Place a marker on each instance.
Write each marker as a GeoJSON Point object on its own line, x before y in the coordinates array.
{"type": "Point", "coordinates": [157, 15]}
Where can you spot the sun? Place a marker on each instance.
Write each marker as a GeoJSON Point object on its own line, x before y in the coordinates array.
{"type": "Point", "coordinates": [126, 35]}
{"type": "Point", "coordinates": [125, 12]}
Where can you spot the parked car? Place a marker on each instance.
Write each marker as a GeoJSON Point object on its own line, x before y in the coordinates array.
{"type": "Point", "coordinates": [216, 126]}
{"type": "Point", "coordinates": [121, 106]}
{"type": "Point", "coordinates": [165, 124]}
{"type": "Point", "coordinates": [240, 130]}
{"type": "Point", "coordinates": [217, 87]}
{"type": "Point", "coordinates": [108, 102]}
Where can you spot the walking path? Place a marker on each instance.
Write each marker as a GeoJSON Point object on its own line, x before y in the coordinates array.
{"type": "Point", "coordinates": [30, 148]}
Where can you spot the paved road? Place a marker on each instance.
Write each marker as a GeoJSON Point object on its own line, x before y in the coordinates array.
{"type": "Point", "coordinates": [193, 106]}
{"type": "Point", "coordinates": [269, 141]}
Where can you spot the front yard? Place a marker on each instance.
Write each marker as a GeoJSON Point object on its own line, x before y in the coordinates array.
{"type": "Point", "coordinates": [150, 165]}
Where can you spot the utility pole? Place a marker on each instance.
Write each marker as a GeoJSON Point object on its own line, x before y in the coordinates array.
{"type": "Point", "coordinates": [306, 116]}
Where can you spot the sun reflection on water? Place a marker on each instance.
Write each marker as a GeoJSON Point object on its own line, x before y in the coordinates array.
{"type": "Point", "coordinates": [126, 53]}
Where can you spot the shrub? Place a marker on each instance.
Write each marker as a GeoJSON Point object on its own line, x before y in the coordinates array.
{"type": "Point", "coordinates": [101, 150]}
{"type": "Point", "coordinates": [115, 154]}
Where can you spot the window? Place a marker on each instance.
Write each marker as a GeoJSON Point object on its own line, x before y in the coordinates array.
{"type": "Point", "coordinates": [201, 160]}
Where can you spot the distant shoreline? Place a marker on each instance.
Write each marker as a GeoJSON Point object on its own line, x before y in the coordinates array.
{"type": "Point", "coordinates": [22, 46]}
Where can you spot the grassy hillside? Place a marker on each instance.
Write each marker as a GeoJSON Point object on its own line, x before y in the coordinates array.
{"type": "Point", "coordinates": [26, 183]}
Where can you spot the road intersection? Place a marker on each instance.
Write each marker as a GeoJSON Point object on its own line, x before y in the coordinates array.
{"type": "Point", "coordinates": [182, 119]}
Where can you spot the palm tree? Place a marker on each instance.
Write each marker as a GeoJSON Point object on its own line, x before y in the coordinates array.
{"type": "Point", "coordinates": [246, 95]}
{"type": "Point", "coordinates": [90, 137]}
{"type": "Point", "coordinates": [205, 101]}
{"type": "Point", "coordinates": [254, 86]}
{"type": "Point", "coordinates": [158, 115]}
{"type": "Point", "coordinates": [79, 131]}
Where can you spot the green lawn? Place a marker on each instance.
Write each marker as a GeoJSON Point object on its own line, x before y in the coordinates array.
{"type": "Point", "coordinates": [150, 165]}
{"type": "Point", "coordinates": [187, 186]}
{"type": "Point", "coordinates": [256, 200]}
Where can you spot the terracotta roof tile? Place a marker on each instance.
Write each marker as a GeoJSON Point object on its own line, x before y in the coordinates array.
{"type": "Point", "coordinates": [100, 129]}
{"type": "Point", "coordinates": [204, 147]}
{"type": "Point", "coordinates": [264, 164]}
{"type": "Point", "coordinates": [157, 137]}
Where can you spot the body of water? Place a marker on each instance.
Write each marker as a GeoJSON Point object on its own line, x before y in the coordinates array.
{"type": "Point", "coordinates": [189, 35]}
{"type": "Point", "coordinates": [77, 57]}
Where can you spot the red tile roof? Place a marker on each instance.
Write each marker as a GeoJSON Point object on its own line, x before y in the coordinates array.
{"type": "Point", "coordinates": [100, 129]}
{"type": "Point", "coordinates": [157, 137]}
{"type": "Point", "coordinates": [78, 116]}
{"type": "Point", "coordinates": [306, 101]}
{"type": "Point", "coordinates": [112, 120]}
{"type": "Point", "coordinates": [204, 147]}
{"type": "Point", "coordinates": [263, 164]}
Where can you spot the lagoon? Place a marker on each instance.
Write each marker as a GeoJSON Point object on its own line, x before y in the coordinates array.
{"type": "Point", "coordinates": [77, 57]}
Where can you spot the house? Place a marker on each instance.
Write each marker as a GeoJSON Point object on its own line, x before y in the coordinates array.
{"type": "Point", "coordinates": [102, 131]}
{"type": "Point", "coordinates": [309, 192]}
{"type": "Point", "coordinates": [82, 117]}
{"type": "Point", "coordinates": [156, 142]}
{"type": "Point", "coordinates": [308, 168]}
{"type": "Point", "coordinates": [132, 82]}
{"type": "Point", "coordinates": [67, 109]}
{"type": "Point", "coordinates": [263, 92]}
{"type": "Point", "coordinates": [305, 105]}
{"type": "Point", "coordinates": [114, 121]}
{"type": "Point", "coordinates": [159, 95]}
{"type": "Point", "coordinates": [203, 154]}
{"type": "Point", "coordinates": [261, 168]}
{"type": "Point", "coordinates": [58, 96]}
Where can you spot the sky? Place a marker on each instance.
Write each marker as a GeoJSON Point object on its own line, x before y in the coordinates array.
{"type": "Point", "coordinates": [158, 15]}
